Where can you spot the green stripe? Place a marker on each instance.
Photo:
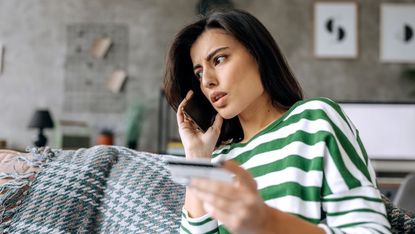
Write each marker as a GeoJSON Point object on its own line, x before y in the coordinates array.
{"type": "Point", "coordinates": [223, 230]}
{"type": "Point", "coordinates": [332, 230]}
{"type": "Point", "coordinates": [377, 231]}
{"type": "Point", "coordinates": [358, 211]}
{"type": "Point", "coordinates": [359, 141]}
{"type": "Point", "coordinates": [216, 230]}
{"type": "Point", "coordinates": [360, 223]}
{"type": "Point", "coordinates": [296, 161]}
{"type": "Point", "coordinates": [325, 190]}
{"type": "Point", "coordinates": [197, 223]}
{"type": "Point", "coordinates": [311, 220]}
{"type": "Point", "coordinates": [291, 188]}
{"type": "Point", "coordinates": [352, 198]}
{"type": "Point", "coordinates": [185, 230]}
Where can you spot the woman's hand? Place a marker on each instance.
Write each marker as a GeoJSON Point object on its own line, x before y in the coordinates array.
{"type": "Point", "coordinates": [196, 143]}
{"type": "Point", "coordinates": [238, 205]}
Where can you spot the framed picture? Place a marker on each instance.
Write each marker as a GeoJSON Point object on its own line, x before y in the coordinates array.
{"type": "Point", "coordinates": [1, 57]}
{"type": "Point", "coordinates": [335, 29]}
{"type": "Point", "coordinates": [397, 27]}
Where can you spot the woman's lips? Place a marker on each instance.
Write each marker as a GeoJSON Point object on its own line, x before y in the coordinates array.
{"type": "Point", "coordinates": [218, 98]}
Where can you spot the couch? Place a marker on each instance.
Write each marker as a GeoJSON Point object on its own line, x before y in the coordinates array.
{"type": "Point", "coordinates": [103, 189]}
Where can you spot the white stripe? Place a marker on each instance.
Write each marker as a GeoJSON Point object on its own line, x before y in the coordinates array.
{"type": "Point", "coordinates": [291, 174]}
{"type": "Point", "coordinates": [366, 191]}
{"type": "Point", "coordinates": [372, 173]}
{"type": "Point", "coordinates": [293, 204]}
{"type": "Point", "coordinates": [335, 221]}
{"type": "Point", "coordinates": [353, 204]}
{"type": "Point", "coordinates": [365, 228]}
{"type": "Point", "coordinates": [294, 148]}
{"type": "Point", "coordinates": [333, 177]}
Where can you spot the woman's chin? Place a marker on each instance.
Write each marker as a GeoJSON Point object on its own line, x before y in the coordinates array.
{"type": "Point", "coordinates": [226, 115]}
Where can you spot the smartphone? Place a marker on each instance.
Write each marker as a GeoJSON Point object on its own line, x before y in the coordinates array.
{"type": "Point", "coordinates": [199, 109]}
{"type": "Point", "coordinates": [183, 170]}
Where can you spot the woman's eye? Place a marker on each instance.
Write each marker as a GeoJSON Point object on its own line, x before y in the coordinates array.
{"type": "Point", "coordinates": [199, 74]}
{"type": "Point", "coordinates": [219, 59]}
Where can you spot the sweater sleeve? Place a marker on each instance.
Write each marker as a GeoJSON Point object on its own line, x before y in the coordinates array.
{"type": "Point", "coordinates": [351, 201]}
{"type": "Point", "coordinates": [204, 224]}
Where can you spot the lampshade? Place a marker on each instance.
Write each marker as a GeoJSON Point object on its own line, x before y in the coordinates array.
{"type": "Point", "coordinates": [41, 119]}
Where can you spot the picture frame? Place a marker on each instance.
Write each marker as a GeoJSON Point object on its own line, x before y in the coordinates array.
{"type": "Point", "coordinates": [1, 57]}
{"type": "Point", "coordinates": [397, 32]}
{"type": "Point", "coordinates": [335, 29]}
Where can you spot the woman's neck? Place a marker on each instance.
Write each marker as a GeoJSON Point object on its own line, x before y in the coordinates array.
{"type": "Point", "coordinates": [258, 117]}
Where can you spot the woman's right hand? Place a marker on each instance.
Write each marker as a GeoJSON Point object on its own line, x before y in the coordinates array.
{"type": "Point", "coordinates": [197, 144]}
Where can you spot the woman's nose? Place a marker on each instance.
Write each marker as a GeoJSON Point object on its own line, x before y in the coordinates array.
{"type": "Point", "coordinates": [209, 79]}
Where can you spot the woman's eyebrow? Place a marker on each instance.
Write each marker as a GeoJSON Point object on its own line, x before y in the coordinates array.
{"type": "Point", "coordinates": [210, 55]}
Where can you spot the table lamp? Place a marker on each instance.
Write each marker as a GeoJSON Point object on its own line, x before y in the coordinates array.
{"type": "Point", "coordinates": [41, 119]}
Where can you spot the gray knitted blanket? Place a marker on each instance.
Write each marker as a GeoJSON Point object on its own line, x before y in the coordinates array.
{"type": "Point", "coordinates": [100, 190]}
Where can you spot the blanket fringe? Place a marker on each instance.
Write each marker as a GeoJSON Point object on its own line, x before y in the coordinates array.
{"type": "Point", "coordinates": [13, 192]}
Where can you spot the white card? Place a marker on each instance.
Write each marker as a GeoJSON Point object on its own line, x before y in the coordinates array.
{"type": "Point", "coordinates": [100, 47]}
{"type": "Point", "coordinates": [116, 81]}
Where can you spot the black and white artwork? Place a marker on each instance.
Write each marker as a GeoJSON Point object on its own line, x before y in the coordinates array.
{"type": "Point", "coordinates": [397, 33]}
{"type": "Point", "coordinates": [1, 57]}
{"type": "Point", "coordinates": [335, 29]}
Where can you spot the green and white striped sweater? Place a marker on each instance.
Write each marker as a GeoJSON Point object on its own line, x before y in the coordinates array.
{"type": "Point", "coordinates": [312, 164]}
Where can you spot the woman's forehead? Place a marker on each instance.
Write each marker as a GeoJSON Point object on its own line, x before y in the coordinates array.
{"type": "Point", "coordinates": [208, 41]}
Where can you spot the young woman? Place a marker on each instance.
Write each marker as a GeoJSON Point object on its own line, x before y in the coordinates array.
{"type": "Point", "coordinates": [299, 165]}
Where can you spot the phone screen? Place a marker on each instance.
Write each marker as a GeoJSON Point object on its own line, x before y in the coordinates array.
{"type": "Point", "coordinates": [200, 110]}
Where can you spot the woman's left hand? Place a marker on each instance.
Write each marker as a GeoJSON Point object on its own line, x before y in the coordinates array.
{"type": "Point", "coordinates": [238, 205]}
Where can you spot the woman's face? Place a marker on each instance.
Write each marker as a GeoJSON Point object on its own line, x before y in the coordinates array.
{"type": "Point", "coordinates": [228, 73]}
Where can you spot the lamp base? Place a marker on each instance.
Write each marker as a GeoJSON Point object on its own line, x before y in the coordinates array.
{"type": "Point", "coordinates": [41, 139]}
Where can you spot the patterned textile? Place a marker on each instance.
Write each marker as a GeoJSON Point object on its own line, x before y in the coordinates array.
{"type": "Point", "coordinates": [101, 190]}
{"type": "Point", "coordinates": [16, 176]}
{"type": "Point", "coordinates": [108, 190]}
{"type": "Point", "coordinates": [402, 221]}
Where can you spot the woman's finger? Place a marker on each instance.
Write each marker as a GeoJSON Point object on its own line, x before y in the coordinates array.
{"type": "Point", "coordinates": [212, 186]}
{"type": "Point", "coordinates": [180, 109]}
{"type": "Point", "coordinates": [218, 203]}
{"type": "Point", "coordinates": [243, 176]}
{"type": "Point", "coordinates": [217, 124]}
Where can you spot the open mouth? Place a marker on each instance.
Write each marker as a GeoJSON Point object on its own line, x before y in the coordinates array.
{"type": "Point", "coordinates": [216, 96]}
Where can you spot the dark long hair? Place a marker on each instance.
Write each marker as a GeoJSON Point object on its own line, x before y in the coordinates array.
{"type": "Point", "coordinates": [276, 76]}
